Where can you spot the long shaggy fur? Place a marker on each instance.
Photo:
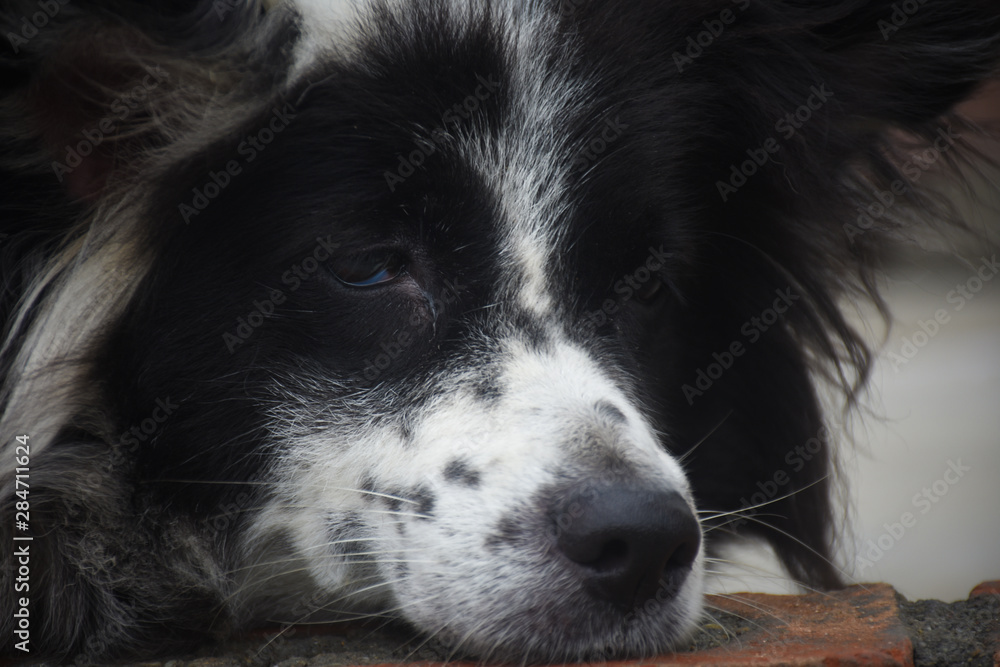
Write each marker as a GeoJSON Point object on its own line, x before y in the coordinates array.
{"type": "Point", "coordinates": [261, 486]}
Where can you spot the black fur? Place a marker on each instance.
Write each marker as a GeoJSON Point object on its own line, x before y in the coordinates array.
{"type": "Point", "coordinates": [122, 519]}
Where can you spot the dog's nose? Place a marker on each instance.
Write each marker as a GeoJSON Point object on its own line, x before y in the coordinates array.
{"type": "Point", "coordinates": [632, 544]}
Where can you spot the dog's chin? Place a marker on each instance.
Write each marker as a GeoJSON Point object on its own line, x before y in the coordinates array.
{"type": "Point", "coordinates": [540, 624]}
{"type": "Point", "coordinates": [567, 633]}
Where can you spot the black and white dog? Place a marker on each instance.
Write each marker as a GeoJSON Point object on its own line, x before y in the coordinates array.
{"type": "Point", "coordinates": [496, 317]}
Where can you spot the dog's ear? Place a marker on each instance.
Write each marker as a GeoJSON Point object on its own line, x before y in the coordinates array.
{"type": "Point", "coordinates": [887, 77]}
{"type": "Point", "coordinates": [91, 88]}
{"type": "Point", "coordinates": [902, 62]}
{"type": "Point", "coordinates": [787, 117]}
{"type": "Point", "coordinates": [824, 88]}
{"type": "Point", "coordinates": [93, 92]}
{"type": "Point", "coordinates": [855, 98]}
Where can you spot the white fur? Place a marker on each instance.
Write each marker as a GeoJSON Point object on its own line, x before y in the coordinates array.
{"type": "Point", "coordinates": [527, 167]}
{"type": "Point", "coordinates": [91, 280]}
{"type": "Point", "coordinates": [454, 585]}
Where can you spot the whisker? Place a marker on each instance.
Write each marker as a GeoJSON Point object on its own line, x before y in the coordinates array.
{"type": "Point", "coordinates": [725, 525]}
{"type": "Point", "coordinates": [350, 594]}
{"type": "Point", "coordinates": [364, 492]}
{"type": "Point", "coordinates": [333, 555]}
{"type": "Point", "coordinates": [708, 435]}
{"type": "Point", "coordinates": [414, 515]}
{"type": "Point", "coordinates": [749, 621]}
{"type": "Point", "coordinates": [762, 609]}
{"type": "Point", "coordinates": [302, 622]}
{"type": "Point", "coordinates": [729, 635]}
{"type": "Point", "coordinates": [458, 645]}
{"type": "Point", "coordinates": [757, 571]}
{"type": "Point", "coordinates": [802, 544]}
{"type": "Point", "coordinates": [713, 514]}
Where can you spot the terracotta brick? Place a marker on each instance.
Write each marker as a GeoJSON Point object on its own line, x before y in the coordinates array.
{"type": "Point", "coordinates": [986, 588]}
{"type": "Point", "coordinates": [990, 588]}
{"type": "Point", "coordinates": [859, 626]}
{"type": "Point", "coordinates": [856, 627]}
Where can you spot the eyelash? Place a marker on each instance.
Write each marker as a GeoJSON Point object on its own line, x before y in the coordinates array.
{"type": "Point", "coordinates": [368, 269]}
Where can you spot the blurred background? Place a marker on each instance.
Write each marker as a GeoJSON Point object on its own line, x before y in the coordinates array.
{"type": "Point", "coordinates": [931, 446]}
{"type": "Point", "coordinates": [923, 477]}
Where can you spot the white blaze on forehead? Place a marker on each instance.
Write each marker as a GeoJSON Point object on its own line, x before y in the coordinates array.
{"type": "Point", "coordinates": [528, 164]}
{"type": "Point", "coordinates": [530, 255]}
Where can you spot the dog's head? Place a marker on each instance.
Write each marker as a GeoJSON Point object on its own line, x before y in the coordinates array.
{"type": "Point", "coordinates": [496, 318]}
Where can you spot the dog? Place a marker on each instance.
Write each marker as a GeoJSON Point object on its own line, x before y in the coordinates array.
{"type": "Point", "coordinates": [499, 318]}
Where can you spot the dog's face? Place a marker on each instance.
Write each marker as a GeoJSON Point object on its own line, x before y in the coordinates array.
{"type": "Point", "coordinates": [493, 318]}
{"type": "Point", "coordinates": [446, 350]}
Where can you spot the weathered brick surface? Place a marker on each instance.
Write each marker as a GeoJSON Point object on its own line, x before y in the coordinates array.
{"type": "Point", "coordinates": [990, 588]}
{"type": "Point", "coordinates": [856, 627]}
{"type": "Point", "coordinates": [986, 588]}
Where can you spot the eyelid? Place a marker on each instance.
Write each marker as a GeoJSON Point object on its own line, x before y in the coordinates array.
{"type": "Point", "coordinates": [369, 268]}
{"type": "Point", "coordinates": [383, 276]}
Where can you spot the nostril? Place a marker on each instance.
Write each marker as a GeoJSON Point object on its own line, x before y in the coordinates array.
{"type": "Point", "coordinates": [629, 542]}
{"type": "Point", "coordinates": [614, 555]}
{"type": "Point", "coordinates": [610, 555]}
{"type": "Point", "coordinates": [683, 556]}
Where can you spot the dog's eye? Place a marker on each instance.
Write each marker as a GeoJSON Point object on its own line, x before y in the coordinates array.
{"type": "Point", "coordinates": [368, 269]}
{"type": "Point", "coordinates": [649, 291]}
